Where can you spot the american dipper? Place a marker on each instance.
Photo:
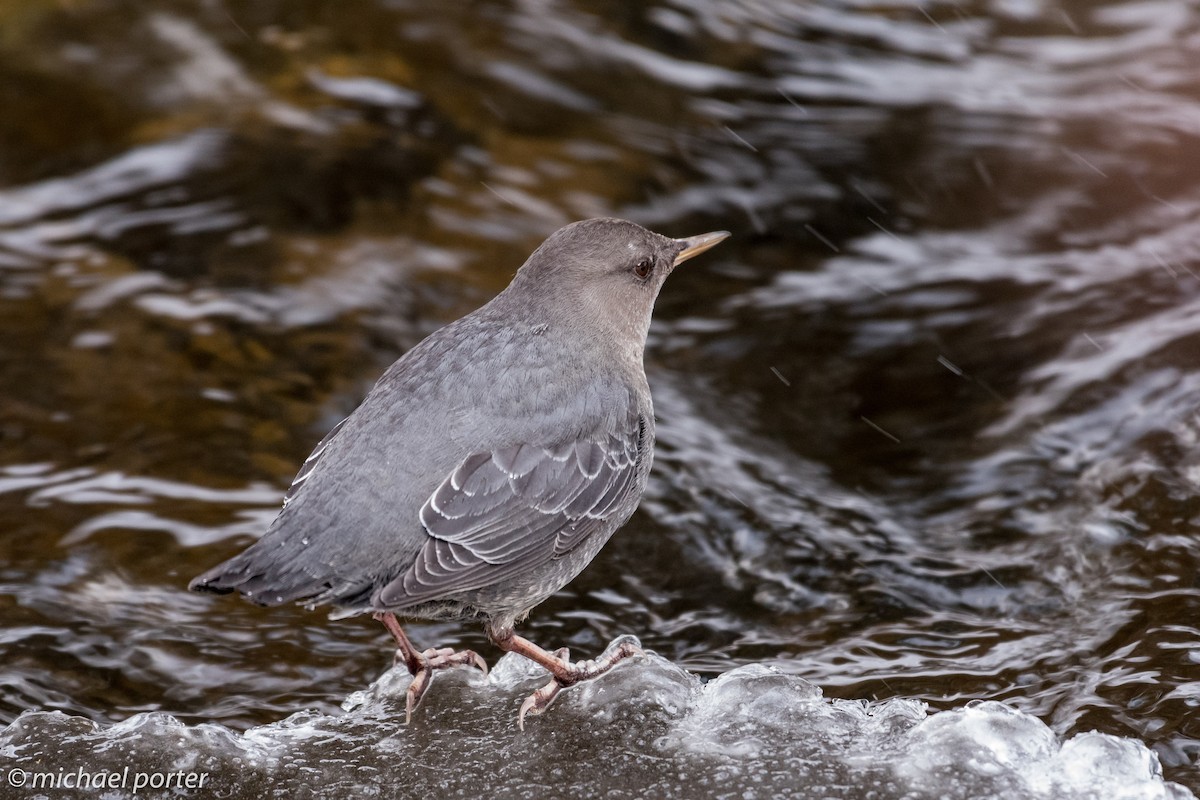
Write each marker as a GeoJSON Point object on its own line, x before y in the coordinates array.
{"type": "Point", "coordinates": [488, 465]}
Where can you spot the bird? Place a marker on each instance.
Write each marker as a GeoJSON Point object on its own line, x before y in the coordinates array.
{"type": "Point", "coordinates": [488, 465]}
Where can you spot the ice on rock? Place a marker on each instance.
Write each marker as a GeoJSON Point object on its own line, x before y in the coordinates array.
{"type": "Point", "coordinates": [1125, 768]}
{"type": "Point", "coordinates": [746, 711]}
{"type": "Point", "coordinates": [647, 729]}
{"type": "Point", "coordinates": [990, 740]}
{"type": "Point", "coordinates": [997, 751]}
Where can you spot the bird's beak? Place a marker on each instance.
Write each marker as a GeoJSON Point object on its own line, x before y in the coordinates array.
{"type": "Point", "coordinates": [695, 245]}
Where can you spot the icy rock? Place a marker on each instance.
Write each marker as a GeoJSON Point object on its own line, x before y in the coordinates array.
{"type": "Point", "coordinates": [646, 729]}
{"type": "Point", "coordinates": [990, 749]}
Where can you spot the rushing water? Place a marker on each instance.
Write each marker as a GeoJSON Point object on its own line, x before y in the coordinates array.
{"type": "Point", "coordinates": [929, 422]}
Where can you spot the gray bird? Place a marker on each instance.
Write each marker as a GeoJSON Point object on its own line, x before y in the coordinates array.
{"type": "Point", "coordinates": [488, 465]}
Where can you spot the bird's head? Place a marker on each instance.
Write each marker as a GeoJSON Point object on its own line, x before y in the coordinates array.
{"type": "Point", "coordinates": [605, 274]}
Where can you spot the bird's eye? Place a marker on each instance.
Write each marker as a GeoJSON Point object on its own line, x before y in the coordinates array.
{"type": "Point", "coordinates": [643, 268]}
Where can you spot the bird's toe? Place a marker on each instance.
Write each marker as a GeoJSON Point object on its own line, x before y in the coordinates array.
{"type": "Point", "coordinates": [539, 701]}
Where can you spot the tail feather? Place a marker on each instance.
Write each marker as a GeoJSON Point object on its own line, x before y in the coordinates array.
{"type": "Point", "coordinates": [264, 584]}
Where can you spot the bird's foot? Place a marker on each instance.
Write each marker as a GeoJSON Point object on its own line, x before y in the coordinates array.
{"type": "Point", "coordinates": [427, 663]}
{"type": "Point", "coordinates": [567, 674]}
{"type": "Point", "coordinates": [422, 665]}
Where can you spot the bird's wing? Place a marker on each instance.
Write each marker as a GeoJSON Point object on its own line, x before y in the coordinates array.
{"type": "Point", "coordinates": [509, 510]}
{"type": "Point", "coordinates": [310, 463]}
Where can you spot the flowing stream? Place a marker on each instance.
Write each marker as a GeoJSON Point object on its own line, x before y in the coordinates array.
{"type": "Point", "coordinates": [924, 517]}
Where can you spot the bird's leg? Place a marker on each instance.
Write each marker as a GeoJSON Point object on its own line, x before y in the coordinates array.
{"type": "Point", "coordinates": [563, 671]}
{"type": "Point", "coordinates": [421, 665]}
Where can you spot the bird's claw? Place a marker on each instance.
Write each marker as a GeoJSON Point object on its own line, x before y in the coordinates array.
{"type": "Point", "coordinates": [539, 701]}
{"type": "Point", "coordinates": [571, 674]}
{"type": "Point", "coordinates": [427, 663]}
{"type": "Point", "coordinates": [449, 657]}
{"type": "Point", "coordinates": [416, 690]}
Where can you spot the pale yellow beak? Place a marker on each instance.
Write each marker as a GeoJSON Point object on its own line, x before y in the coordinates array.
{"type": "Point", "coordinates": [695, 245]}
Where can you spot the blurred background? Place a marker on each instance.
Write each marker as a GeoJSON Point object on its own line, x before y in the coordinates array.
{"type": "Point", "coordinates": [928, 422]}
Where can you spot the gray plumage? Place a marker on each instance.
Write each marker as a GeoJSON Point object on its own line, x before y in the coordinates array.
{"type": "Point", "coordinates": [491, 462]}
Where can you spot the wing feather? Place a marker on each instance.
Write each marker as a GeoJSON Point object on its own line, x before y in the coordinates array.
{"type": "Point", "coordinates": [310, 464]}
{"type": "Point", "coordinates": [505, 511]}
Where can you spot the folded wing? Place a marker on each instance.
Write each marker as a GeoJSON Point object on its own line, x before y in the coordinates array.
{"type": "Point", "coordinates": [502, 512]}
